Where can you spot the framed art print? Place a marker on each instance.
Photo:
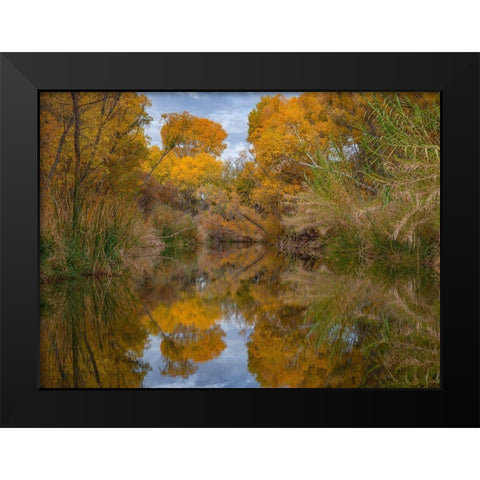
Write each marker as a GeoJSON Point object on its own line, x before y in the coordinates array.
{"type": "Point", "coordinates": [239, 239]}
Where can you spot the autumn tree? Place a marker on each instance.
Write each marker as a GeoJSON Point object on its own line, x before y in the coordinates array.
{"type": "Point", "coordinates": [191, 172]}
{"type": "Point", "coordinates": [288, 134]}
{"type": "Point", "coordinates": [92, 139]}
{"type": "Point", "coordinates": [185, 135]}
{"type": "Point", "coordinates": [92, 150]}
{"type": "Point", "coordinates": [227, 217]}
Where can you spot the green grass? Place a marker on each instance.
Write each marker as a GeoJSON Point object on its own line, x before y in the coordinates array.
{"type": "Point", "coordinates": [345, 251]}
{"type": "Point", "coordinates": [91, 238]}
{"type": "Point", "coordinates": [385, 207]}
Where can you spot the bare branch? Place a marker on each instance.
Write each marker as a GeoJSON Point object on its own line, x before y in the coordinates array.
{"type": "Point", "coordinates": [165, 153]}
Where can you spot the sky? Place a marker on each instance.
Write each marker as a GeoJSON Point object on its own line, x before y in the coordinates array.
{"type": "Point", "coordinates": [228, 370]}
{"type": "Point", "coordinates": [230, 109]}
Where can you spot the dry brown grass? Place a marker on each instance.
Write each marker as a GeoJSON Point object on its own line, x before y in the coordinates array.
{"type": "Point", "coordinates": [393, 197]}
{"type": "Point", "coordinates": [98, 236]}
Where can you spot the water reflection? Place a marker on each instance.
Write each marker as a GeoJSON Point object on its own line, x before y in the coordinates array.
{"type": "Point", "coordinates": [91, 335]}
{"type": "Point", "coordinates": [241, 317]}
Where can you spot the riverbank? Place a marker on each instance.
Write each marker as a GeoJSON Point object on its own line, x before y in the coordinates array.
{"type": "Point", "coordinates": [97, 237]}
{"type": "Point", "coordinates": [349, 251]}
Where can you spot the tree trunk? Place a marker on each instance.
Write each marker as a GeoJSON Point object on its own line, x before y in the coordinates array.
{"type": "Point", "coordinates": [166, 152]}
{"type": "Point", "coordinates": [57, 157]}
{"type": "Point", "coordinates": [76, 186]}
{"type": "Point", "coordinates": [76, 119]}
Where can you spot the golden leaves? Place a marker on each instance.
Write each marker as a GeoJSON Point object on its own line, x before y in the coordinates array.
{"type": "Point", "coordinates": [190, 135]}
{"type": "Point", "coordinates": [191, 172]}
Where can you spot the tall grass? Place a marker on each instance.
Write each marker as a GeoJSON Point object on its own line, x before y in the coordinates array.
{"type": "Point", "coordinates": [385, 202]}
{"type": "Point", "coordinates": [92, 236]}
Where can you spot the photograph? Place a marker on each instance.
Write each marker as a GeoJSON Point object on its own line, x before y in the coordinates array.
{"type": "Point", "coordinates": [239, 239]}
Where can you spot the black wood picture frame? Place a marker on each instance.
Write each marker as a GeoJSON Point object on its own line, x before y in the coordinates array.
{"type": "Point", "coordinates": [455, 75]}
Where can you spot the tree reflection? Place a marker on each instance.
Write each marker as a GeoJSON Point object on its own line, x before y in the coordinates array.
{"type": "Point", "coordinates": [304, 326]}
{"type": "Point", "coordinates": [393, 323]}
{"type": "Point", "coordinates": [90, 336]}
{"type": "Point", "coordinates": [189, 334]}
{"type": "Point", "coordinates": [187, 346]}
{"type": "Point", "coordinates": [314, 327]}
{"type": "Point", "coordinates": [282, 353]}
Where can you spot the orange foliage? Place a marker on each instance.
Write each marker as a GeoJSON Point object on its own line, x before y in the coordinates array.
{"type": "Point", "coordinates": [191, 343]}
{"type": "Point", "coordinates": [287, 135]}
{"type": "Point", "coordinates": [190, 172]}
{"type": "Point", "coordinates": [188, 311]}
{"type": "Point", "coordinates": [189, 334]}
{"type": "Point", "coordinates": [112, 143]}
{"type": "Point", "coordinates": [191, 135]}
{"type": "Point", "coordinates": [282, 355]}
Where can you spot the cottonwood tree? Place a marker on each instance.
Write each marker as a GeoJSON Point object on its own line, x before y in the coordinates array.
{"type": "Point", "coordinates": [184, 135]}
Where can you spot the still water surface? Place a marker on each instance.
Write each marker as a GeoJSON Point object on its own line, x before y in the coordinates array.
{"type": "Point", "coordinates": [243, 316]}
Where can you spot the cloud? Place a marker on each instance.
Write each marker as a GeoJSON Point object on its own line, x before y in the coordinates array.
{"type": "Point", "coordinates": [233, 150]}
{"type": "Point", "coordinates": [234, 122]}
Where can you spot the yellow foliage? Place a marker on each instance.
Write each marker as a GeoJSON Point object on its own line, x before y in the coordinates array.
{"type": "Point", "coordinates": [112, 143]}
{"type": "Point", "coordinates": [195, 344]}
{"type": "Point", "coordinates": [281, 357]}
{"type": "Point", "coordinates": [190, 135]}
{"type": "Point", "coordinates": [190, 173]}
{"type": "Point", "coordinates": [189, 311]}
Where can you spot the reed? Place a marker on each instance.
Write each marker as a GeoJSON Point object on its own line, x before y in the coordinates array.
{"type": "Point", "coordinates": [383, 202]}
{"type": "Point", "coordinates": [92, 236]}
